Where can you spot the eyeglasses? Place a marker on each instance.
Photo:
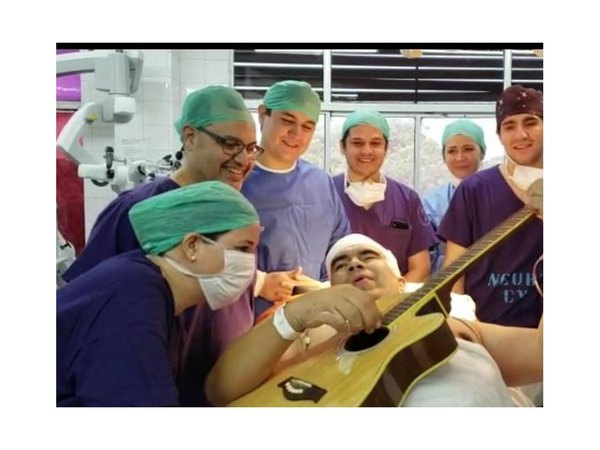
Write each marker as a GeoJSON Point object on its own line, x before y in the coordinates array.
{"type": "Point", "coordinates": [232, 146]}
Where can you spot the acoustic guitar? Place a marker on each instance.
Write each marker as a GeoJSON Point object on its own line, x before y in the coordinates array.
{"type": "Point", "coordinates": [379, 369]}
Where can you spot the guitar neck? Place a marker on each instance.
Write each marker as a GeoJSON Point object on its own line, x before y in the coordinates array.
{"type": "Point", "coordinates": [444, 279]}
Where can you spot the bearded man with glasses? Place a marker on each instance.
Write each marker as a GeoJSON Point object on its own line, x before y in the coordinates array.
{"type": "Point", "coordinates": [226, 154]}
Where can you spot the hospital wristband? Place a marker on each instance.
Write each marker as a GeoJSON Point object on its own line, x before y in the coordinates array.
{"type": "Point", "coordinates": [283, 327]}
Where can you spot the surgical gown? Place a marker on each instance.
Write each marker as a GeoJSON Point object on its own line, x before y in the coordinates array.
{"type": "Point", "coordinates": [501, 283]}
{"type": "Point", "coordinates": [117, 336]}
{"type": "Point", "coordinates": [119, 342]}
{"type": "Point", "coordinates": [398, 222]}
{"type": "Point", "coordinates": [302, 217]}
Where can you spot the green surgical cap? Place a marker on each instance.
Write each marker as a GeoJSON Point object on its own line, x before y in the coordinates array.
{"type": "Point", "coordinates": [367, 117]}
{"type": "Point", "coordinates": [466, 128]}
{"type": "Point", "coordinates": [212, 104]}
{"type": "Point", "coordinates": [161, 222]}
{"type": "Point", "coordinates": [293, 95]}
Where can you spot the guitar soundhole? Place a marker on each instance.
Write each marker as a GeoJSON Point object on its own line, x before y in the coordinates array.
{"type": "Point", "coordinates": [363, 341]}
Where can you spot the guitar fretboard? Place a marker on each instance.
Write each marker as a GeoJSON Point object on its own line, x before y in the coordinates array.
{"type": "Point", "coordinates": [448, 276]}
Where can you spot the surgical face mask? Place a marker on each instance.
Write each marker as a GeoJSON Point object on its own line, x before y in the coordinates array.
{"type": "Point", "coordinates": [364, 194]}
{"type": "Point", "coordinates": [524, 176]}
{"type": "Point", "coordinates": [224, 288]}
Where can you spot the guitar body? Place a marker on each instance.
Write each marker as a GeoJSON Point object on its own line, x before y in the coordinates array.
{"type": "Point", "coordinates": [382, 375]}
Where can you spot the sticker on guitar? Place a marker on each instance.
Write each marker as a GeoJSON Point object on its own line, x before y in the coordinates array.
{"type": "Point", "coordinates": [295, 389]}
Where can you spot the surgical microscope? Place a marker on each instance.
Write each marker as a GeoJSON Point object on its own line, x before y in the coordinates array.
{"type": "Point", "coordinates": [118, 73]}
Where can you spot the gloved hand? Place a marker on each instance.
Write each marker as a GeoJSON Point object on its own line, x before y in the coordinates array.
{"type": "Point", "coordinates": [343, 307]}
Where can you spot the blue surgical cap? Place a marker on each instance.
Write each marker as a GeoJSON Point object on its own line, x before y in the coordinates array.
{"type": "Point", "coordinates": [367, 117]}
{"type": "Point", "coordinates": [291, 95]}
{"type": "Point", "coordinates": [161, 222]}
{"type": "Point", "coordinates": [466, 128]}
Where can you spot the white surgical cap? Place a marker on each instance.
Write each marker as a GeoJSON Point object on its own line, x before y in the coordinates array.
{"type": "Point", "coordinates": [364, 241]}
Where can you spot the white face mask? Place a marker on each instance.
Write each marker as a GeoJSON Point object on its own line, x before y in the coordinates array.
{"type": "Point", "coordinates": [224, 288]}
{"type": "Point", "coordinates": [364, 194]}
{"type": "Point", "coordinates": [524, 176]}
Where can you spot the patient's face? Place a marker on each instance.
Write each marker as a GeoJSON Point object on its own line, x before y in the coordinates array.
{"type": "Point", "coordinates": [366, 269]}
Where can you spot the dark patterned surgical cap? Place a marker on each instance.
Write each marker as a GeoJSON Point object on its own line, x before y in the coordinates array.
{"type": "Point", "coordinates": [519, 100]}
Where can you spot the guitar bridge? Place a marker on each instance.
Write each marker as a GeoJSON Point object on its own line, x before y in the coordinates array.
{"type": "Point", "coordinates": [295, 389]}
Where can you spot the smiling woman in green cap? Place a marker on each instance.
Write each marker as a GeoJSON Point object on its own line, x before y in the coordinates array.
{"type": "Point", "coordinates": [463, 149]}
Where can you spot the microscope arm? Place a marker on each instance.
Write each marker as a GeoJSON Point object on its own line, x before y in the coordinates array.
{"type": "Point", "coordinates": [116, 72]}
{"type": "Point", "coordinates": [70, 136]}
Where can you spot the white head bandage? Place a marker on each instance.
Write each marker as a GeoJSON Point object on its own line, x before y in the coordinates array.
{"type": "Point", "coordinates": [364, 241]}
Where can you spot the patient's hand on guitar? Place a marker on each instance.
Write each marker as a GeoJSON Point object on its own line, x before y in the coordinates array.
{"type": "Point", "coordinates": [343, 307]}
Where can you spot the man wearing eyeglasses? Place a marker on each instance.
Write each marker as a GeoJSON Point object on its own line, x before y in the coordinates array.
{"type": "Point", "coordinates": [230, 164]}
{"type": "Point", "coordinates": [301, 213]}
{"type": "Point", "coordinates": [219, 143]}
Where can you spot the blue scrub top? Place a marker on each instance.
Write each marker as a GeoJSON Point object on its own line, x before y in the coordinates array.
{"type": "Point", "coordinates": [501, 283]}
{"type": "Point", "coordinates": [118, 342]}
{"type": "Point", "coordinates": [436, 203]}
{"type": "Point", "coordinates": [302, 217]}
{"type": "Point", "coordinates": [117, 339]}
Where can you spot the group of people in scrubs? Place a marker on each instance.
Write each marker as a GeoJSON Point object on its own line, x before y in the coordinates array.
{"type": "Point", "coordinates": [241, 223]}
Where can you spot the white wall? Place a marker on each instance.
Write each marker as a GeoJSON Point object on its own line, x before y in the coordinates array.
{"type": "Point", "coordinates": [167, 77]}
